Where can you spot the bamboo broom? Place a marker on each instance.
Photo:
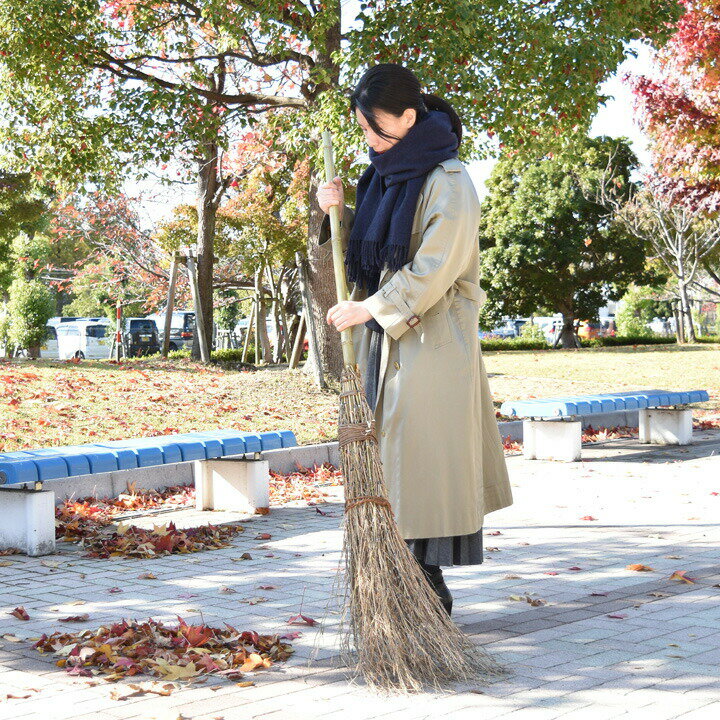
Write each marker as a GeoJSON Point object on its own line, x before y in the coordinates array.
{"type": "Point", "coordinates": [400, 637]}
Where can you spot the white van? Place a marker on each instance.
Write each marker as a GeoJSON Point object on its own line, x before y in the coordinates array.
{"type": "Point", "coordinates": [89, 339]}
{"type": "Point", "coordinates": [49, 347]}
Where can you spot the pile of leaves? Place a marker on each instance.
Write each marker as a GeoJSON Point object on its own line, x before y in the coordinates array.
{"type": "Point", "coordinates": [303, 484]}
{"type": "Point", "coordinates": [132, 541]}
{"type": "Point", "coordinates": [179, 652]}
{"type": "Point", "coordinates": [590, 434]}
{"type": "Point", "coordinates": [78, 519]}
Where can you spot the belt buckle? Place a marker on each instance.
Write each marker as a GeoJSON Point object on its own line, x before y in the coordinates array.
{"type": "Point", "coordinates": [413, 324]}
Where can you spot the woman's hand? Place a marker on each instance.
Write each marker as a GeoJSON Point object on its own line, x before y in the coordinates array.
{"type": "Point", "coordinates": [331, 194]}
{"type": "Point", "coordinates": [347, 313]}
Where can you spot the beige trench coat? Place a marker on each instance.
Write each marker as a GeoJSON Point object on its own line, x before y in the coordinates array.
{"type": "Point", "coordinates": [439, 442]}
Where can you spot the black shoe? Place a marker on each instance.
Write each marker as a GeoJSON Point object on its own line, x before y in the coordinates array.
{"type": "Point", "coordinates": [435, 577]}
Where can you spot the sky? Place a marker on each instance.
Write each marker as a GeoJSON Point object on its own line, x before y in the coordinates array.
{"type": "Point", "coordinates": [615, 119]}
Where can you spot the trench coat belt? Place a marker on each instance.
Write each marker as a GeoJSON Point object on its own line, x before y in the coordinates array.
{"type": "Point", "coordinates": [470, 290]}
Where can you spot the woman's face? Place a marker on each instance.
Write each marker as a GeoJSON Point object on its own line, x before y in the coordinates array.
{"type": "Point", "coordinates": [389, 123]}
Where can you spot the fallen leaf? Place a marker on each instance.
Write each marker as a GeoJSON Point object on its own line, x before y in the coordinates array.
{"type": "Point", "coordinates": [680, 575]}
{"type": "Point", "coordinates": [75, 618]}
{"type": "Point", "coordinates": [147, 576]}
{"type": "Point", "coordinates": [639, 568]}
{"type": "Point", "coordinates": [618, 616]}
{"type": "Point", "coordinates": [301, 620]}
{"type": "Point", "coordinates": [20, 613]}
{"type": "Point", "coordinates": [588, 517]}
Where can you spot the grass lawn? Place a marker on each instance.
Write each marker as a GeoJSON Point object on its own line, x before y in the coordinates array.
{"type": "Point", "coordinates": [45, 403]}
{"type": "Point", "coordinates": [549, 373]}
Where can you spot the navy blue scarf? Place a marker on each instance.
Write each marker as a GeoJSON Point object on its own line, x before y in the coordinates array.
{"type": "Point", "coordinates": [386, 200]}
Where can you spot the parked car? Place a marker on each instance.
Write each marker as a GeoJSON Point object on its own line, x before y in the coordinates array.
{"type": "Point", "coordinates": [504, 330]}
{"type": "Point", "coordinates": [89, 339]}
{"type": "Point", "coordinates": [49, 347]}
{"type": "Point", "coordinates": [182, 328]}
{"type": "Point", "coordinates": [140, 336]}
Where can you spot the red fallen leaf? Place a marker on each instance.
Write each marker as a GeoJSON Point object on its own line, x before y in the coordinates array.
{"type": "Point", "coordinates": [715, 493]}
{"type": "Point", "coordinates": [574, 567]}
{"type": "Point", "coordinates": [78, 669]}
{"type": "Point", "coordinates": [552, 572]}
{"type": "Point", "coordinates": [599, 594]}
{"type": "Point", "coordinates": [291, 635]}
{"type": "Point", "coordinates": [494, 532]}
{"type": "Point", "coordinates": [588, 517]}
{"type": "Point", "coordinates": [75, 618]}
{"type": "Point", "coordinates": [266, 587]}
{"type": "Point", "coordinates": [304, 621]}
{"type": "Point", "coordinates": [263, 536]}
{"type": "Point", "coordinates": [20, 613]}
{"type": "Point", "coordinates": [195, 634]}
{"type": "Point", "coordinates": [680, 575]}
{"type": "Point", "coordinates": [618, 616]}
{"type": "Point", "coordinates": [114, 590]}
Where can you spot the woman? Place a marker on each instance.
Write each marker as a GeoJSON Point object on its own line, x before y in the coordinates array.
{"type": "Point", "coordinates": [412, 258]}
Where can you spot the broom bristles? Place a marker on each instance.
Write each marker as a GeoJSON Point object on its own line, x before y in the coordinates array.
{"type": "Point", "coordinates": [399, 636]}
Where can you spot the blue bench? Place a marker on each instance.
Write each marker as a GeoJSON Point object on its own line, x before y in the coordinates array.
{"type": "Point", "coordinates": [27, 505]}
{"type": "Point", "coordinates": [30, 466]}
{"type": "Point", "coordinates": [553, 428]}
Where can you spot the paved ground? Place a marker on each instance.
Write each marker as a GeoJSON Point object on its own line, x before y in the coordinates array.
{"type": "Point", "coordinates": [658, 658]}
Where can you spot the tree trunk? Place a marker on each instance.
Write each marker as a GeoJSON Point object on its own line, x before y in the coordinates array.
{"type": "Point", "coordinates": [263, 350]}
{"type": "Point", "coordinates": [686, 314]}
{"type": "Point", "coordinates": [321, 284]}
{"type": "Point", "coordinates": [206, 210]}
{"type": "Point", "coordinates": [567, 337]}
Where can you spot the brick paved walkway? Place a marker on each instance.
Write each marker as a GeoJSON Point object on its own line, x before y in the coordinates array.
{"type": "Point", "coordinates": [659, 658]}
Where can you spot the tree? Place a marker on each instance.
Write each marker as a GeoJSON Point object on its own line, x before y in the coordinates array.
{"type": "Point", "coordinates": [92, 91]}
{"type": "Point", "coordinates": [24, 213]}
{"type": "Point", "coordinates": [546, 246]}
{"type": "Point", "coordinates": [31, 305]}
{"type": "Point", "coordinates": [680, 108]}
{"type": "Point", "coordinates": [680, 237]}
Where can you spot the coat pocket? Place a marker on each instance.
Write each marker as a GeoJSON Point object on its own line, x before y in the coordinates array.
{"type": "Point", "coordinates": [437, 324]}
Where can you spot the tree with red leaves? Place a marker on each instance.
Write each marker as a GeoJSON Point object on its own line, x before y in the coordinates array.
{"type": "Point", "coordinates": [680, 109]}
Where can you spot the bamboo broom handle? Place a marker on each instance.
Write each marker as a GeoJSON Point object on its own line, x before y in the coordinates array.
{"type": "Point", "coordinates": [348, 349]}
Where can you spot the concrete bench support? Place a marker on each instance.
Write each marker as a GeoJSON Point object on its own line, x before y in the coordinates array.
{"type": "Point", "coordinates": [665, 426]}
{"type": "Point", "coordinates": [552, 439]}
{"type": "Point", "coordinates": [232, 484]}
{"type": "Point", "coordinates": [28, 521]}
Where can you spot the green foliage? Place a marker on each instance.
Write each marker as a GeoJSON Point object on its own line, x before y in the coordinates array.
{"type": "Point", "coordinates": [635, 312]}
{"type": "Point", "coordinates": [24, 217]}
{"type": "Point", "coordinates": [546, 247]}
{"type": "Point", "coordinates": [516, 343]}
{"type": "Point", "coordinates": [31, 305]}
{"type": "Point", "coordinates": [77, 74]}
{"type": "Point", "coordinates": [531, 331]}
{"type": "Point", "coordinates": [618, 340]}
{"type": "Point", "coordinates": [227, 313]}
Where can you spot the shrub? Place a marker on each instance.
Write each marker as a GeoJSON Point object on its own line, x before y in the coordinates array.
{"type": "Point", "coordinates": [31, 306]}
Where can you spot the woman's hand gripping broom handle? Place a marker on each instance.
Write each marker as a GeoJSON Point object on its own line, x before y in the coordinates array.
{"type": "Point", "coordinates": [348, 350]}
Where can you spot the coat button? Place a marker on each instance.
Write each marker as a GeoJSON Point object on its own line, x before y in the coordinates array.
{"type": "Point", "coordinates": [383, 433]}
{"type": "Point", "coordinates": [397, 365]}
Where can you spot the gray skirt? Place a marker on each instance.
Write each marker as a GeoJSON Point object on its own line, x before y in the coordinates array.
{"type": "Point", "coordinates": [450, 550]}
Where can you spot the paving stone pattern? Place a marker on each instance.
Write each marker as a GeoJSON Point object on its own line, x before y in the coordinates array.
{"type": "Point", "coordinates": [660, 658]}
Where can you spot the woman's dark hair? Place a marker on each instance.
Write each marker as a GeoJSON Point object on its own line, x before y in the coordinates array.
{"type": "Point", "coordinates": [394, 88]}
